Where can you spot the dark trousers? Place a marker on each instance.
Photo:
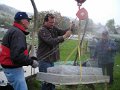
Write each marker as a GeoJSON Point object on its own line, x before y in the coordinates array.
{"type": "Point", "coordinates": [43, 65]}
{"type": "Point", "coordinates": [108, 70]}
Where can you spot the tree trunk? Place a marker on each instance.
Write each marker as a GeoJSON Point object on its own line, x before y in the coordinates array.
{"type": "Point", "coordinates": [35, 28]}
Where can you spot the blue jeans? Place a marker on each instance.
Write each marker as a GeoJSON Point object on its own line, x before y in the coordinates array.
{"type": "Point", "coordinates": [15, 77]}
{"type": "Point", "coordinates": [43, 65]}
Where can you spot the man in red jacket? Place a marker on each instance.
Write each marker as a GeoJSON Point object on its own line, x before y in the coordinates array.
{"type": "Point", "coordinates": [14, 52]}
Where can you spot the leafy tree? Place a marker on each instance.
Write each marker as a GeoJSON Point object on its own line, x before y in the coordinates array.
{"type": "Point", "coordinates": [61, 21]}
{"type": "Point", "coordinates": [111, 26]}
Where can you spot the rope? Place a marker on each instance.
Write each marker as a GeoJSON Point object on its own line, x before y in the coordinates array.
{"type": "Point", "coordinates": [79, 50]}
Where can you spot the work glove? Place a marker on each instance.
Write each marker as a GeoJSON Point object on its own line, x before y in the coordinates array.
{"type": "Point", "coordinates": [35, 64]}
{"type": "Point", "coordinates": [33, 57]}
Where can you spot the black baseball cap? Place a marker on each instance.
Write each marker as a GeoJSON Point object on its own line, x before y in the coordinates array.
{"type": "Point", "coordinates": [21, 15]}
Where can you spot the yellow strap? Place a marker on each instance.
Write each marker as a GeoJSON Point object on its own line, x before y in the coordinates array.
{"type": "Point", "coordinates": [70, 55]}
{"type": "Point", "coordinates": [80, 62]}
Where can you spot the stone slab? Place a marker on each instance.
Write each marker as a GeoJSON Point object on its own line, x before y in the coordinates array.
{"type": "Point", "coordinates": [74, 70]}
{"type": "Point", "coordinates": [71, 79]}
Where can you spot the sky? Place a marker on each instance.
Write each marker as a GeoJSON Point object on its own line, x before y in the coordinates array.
{"type": "Point", "coordinates": [100, 11]}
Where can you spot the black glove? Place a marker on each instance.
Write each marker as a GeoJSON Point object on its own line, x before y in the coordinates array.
{"type": "Point", "coordinates": [33, 57]}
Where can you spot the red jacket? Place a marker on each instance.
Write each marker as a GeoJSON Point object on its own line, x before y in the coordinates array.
{"type": "Point", "coordinates": [13, 50]}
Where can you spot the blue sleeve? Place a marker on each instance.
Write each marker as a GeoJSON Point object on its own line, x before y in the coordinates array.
{"type": "Point", "coordinates": [113, 46]}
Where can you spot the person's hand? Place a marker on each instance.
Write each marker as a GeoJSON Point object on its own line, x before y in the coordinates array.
{"type": "Point", "coordinates": [67, 34]}
{"type": "Point", "coordinates": [92, 58]}
{"type": "Point", "coordinates": [33, 57]}
{"type": "Point", "coordinates": [109, 48]}
{"type": "Point", "coordinates": [72, 26]}
{"type": "Point", "coordinates": [35, 64]}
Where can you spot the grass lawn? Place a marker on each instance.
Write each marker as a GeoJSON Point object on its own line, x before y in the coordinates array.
{"type": "Point", "coordinates": [65, 49]}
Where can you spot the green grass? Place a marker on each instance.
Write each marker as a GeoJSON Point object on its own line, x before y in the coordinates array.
{"type": "Point", "coordinates": [116, 85]}
{"type": "Point", "coordinates": [33, 84]}
{"type": "Point", "coordinates": [65, 49]}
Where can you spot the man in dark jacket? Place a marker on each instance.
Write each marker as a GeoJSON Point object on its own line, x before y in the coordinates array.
{"type": "Point", "coordinates": [49, 38]}
{"type": "Point", "coordinates": [14, 52]}
{"type": "Point", "coordinates": [104, 52]}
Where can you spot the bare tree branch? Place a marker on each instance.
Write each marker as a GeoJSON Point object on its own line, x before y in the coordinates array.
{"type": "Point", "coordinates": [35, 28]}
{"type": "Point", "coordinates": [35, 16]}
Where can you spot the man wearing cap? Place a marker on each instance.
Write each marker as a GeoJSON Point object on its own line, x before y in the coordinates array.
{"type": "Point", "coordinates": [104, 53]}
{"type": "Point", "coordinates": [14, 52]}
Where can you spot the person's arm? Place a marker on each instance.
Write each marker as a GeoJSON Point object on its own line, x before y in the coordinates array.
{"type": "Point", "coordinates": [112, 46]}
{"type": "Point", "coordinates": [95, 52]}
{"type": "Point", "coordinates": [65, 33]}
{"type": "Point", "coordinates": [45, 36]}
{"type": "Point", "coordinates": [61, 31]}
